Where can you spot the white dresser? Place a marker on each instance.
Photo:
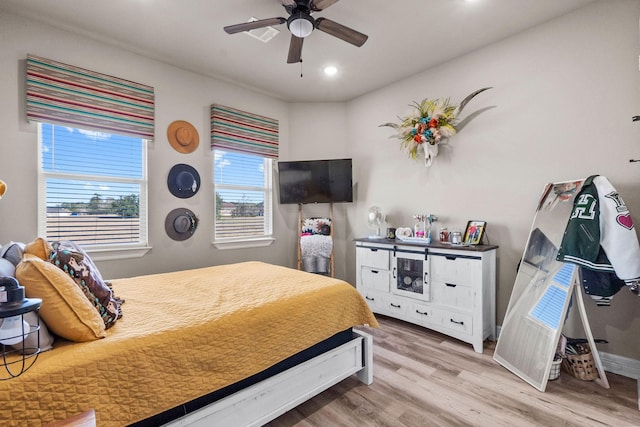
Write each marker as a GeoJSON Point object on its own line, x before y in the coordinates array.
{"type": "Point", "coordinates": [450, 289]}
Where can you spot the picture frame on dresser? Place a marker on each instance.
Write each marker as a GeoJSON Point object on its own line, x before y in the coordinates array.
{"type": "Point", "coordinates": [474, 232]}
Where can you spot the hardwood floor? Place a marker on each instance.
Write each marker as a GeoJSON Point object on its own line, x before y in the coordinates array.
{"type": "Point", "coordinates": [422, 378]}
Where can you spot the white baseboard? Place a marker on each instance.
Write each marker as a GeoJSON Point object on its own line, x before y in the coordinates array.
{"type": "Point", "coordinates": [620, 365]}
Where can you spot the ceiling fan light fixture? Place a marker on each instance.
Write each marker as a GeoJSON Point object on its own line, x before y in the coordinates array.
{"type": "Point", "coordinates": [300, 24]}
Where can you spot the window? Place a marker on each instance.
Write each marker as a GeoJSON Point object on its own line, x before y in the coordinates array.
{"type": "Point", "coordinates": [92, 188]}
{"type": "Point", "coordinates": [244, 148]}
{"type": "Point", "coordinates": [243, 202]}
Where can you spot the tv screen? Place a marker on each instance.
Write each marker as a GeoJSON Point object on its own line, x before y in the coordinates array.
{"type": "Point", "coordinates": [315, 181]}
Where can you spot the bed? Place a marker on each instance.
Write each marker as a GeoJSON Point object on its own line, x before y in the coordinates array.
{"type": "Point", "coordinates": [195, 346]}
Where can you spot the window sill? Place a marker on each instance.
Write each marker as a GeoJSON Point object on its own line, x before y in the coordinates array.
{"type": "Point", "coordinates": [242, 244]}
{"type": "Point", "coordinates": [103, 254]}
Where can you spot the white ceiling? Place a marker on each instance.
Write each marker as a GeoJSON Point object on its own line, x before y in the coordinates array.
{"type": "Point", "coordinates": [405, 37]}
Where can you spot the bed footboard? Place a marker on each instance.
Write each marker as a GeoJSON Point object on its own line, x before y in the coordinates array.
{"type": "Point", "coordinates": [266, 400]}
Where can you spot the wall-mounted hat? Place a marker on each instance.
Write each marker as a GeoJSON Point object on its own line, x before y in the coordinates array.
{"type": "Point", "coordinates": [180, 224]}
{"type": "Point", "coordinates": [183, 137]}
{"type": "Point", "coordinates": [183, 181]}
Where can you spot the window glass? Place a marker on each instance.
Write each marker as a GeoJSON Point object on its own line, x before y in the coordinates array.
{"type": "Point", "coordinates": [243, 187]}
{"type": "Point", "coordinates": [93, 187]}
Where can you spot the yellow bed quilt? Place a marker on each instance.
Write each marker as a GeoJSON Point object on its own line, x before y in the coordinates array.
{"type": "Point", "coordinates": [183, 335]}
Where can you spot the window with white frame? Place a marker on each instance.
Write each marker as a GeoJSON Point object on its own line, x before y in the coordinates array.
{"type": "Point", "coordinates": [244, 145]}
{"type": "Point", "coordinates": [93, 130]}
{"type": "Point", "coordinates": [243, 196]}
{"type": "Point", "coordinates": [92, 187]}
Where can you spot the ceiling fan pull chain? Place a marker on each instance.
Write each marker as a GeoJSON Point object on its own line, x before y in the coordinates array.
{"type": "Point", "coordinates": [300, 67]}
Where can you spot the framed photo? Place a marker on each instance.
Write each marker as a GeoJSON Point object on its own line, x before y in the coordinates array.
{"type": "Point", "coordinates": [474, 232]}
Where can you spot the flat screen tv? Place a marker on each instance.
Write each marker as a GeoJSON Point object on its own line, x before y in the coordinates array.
{"type": "Point", "coordinates": [315, 181]}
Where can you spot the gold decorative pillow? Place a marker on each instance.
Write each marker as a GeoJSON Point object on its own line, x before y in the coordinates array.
{"type": "Point", "coordinates": [65, 309]}
{"type": "Point", "coordinates": [39, 248]}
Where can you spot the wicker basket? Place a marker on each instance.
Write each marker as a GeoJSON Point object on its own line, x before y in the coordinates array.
{"type": "Point", "coordinates": [581, 366]}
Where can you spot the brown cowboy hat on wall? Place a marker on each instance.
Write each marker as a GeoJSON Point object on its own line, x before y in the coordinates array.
{"type": "Point", "coordinates": [183, 137]}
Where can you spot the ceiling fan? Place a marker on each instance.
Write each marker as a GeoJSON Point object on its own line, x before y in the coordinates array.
{"type": "Point", "coordinates": [301, 24]}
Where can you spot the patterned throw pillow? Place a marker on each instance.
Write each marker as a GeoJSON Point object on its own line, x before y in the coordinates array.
{"type": "Point", "coordinates": [316, 226]}
{"type": "Point", "coordinates": [72, 259]}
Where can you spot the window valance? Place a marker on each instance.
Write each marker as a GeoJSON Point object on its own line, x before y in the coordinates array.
{"type": "Point", "coordinates": [242, 132]}
{"type": "Point", "coordinates": [67, 95]}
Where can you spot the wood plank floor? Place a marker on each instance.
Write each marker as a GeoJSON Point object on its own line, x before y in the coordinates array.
{"type": "Point", "coordinates": [422, 378]}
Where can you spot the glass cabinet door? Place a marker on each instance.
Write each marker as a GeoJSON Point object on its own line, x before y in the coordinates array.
{"type": "Point", "coordinates": [411, 275]}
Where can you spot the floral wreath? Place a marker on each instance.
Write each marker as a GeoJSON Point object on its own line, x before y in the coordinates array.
{"type": "Point", "coordinates": [429, 123]}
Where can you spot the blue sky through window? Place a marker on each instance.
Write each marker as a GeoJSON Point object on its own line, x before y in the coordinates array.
{"type": "Point", "coordinates": [242, 170]}
{"type": "Point", "coordinates": [95, 158]}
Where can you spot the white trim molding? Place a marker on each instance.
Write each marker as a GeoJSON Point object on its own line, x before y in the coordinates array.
{"type": "Point", "coordinates": [620, 365]}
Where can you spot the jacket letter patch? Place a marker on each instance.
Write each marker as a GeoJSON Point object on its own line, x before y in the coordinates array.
{"type": "Point", "coordinates": [585, 207]}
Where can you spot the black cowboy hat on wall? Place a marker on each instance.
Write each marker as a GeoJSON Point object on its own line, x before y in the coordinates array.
{"type": "Point", "coordinates": [180, 224]}
{"type": "Point", "coordinates": [183, 181]}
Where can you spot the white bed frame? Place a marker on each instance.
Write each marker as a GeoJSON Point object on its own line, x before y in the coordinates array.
{"type": "Point", "coordinates": [268, 399]}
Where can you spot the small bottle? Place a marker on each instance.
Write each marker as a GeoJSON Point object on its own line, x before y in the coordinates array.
{"type": "Point", "coordinates": [444, 234]}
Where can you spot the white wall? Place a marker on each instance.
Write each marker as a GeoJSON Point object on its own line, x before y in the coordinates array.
{"type": "Point", "coordinates": [319, 131]}
{"type": "Point", "coordinates": [180, 95]}
{"type": "Point", "coordinates": [560, 108]}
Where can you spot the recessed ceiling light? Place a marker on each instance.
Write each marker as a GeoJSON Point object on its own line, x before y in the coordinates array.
{"type": "Point", "coordinates": [330, 70]}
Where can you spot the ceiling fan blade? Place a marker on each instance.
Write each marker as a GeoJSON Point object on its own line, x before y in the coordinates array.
{"type": "Point", "coordinates": [248, 26]}
{"type": "Point", "coordinates": [318, 5]}
{"type": "Point", "coordinates": [347, 34]}
{"type": "Point", "coordinates": [295, 50]}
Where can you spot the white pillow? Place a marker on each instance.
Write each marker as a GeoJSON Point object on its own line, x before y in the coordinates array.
{"type": "Point", "coordinates": [12, 251]}
{"type": "Point", "coordinates": [46, 339]}
{"type": "Point", "coordinates": [7, 269]}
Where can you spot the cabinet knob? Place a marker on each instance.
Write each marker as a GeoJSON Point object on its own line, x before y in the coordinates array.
{"type": "Point", "coordinates": [369, 298]}
{"type": "Point", "coordinates": [420, 312]}
{"type": "Point", "coordinates": [457, 323]}
{"type": "Point", "coordinates": [396, 306]}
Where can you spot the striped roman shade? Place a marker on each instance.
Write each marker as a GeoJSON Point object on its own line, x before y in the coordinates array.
{"type": "Point", "coordinates": [242, 132]}
{"type": "Point", "coordinates": [66, 95]}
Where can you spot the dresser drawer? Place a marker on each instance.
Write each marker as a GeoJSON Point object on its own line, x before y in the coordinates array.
{"type": "Point", "coordinates": [375, 279]}
{"type": "Point", "coordinates": [396, 306]}
{"type": "Point", "coordinates": [424, 314]}
{"type": "Point", "coordinates": [453, 295]}
{"type": "Point", "coordinates": [375, 300]}
{"type": "Point", "coordinates": [456, 269]}
{"type": "Point", "coordinates": [457, 322]}
{"type": "Point", "coordinates": [373, 257]}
